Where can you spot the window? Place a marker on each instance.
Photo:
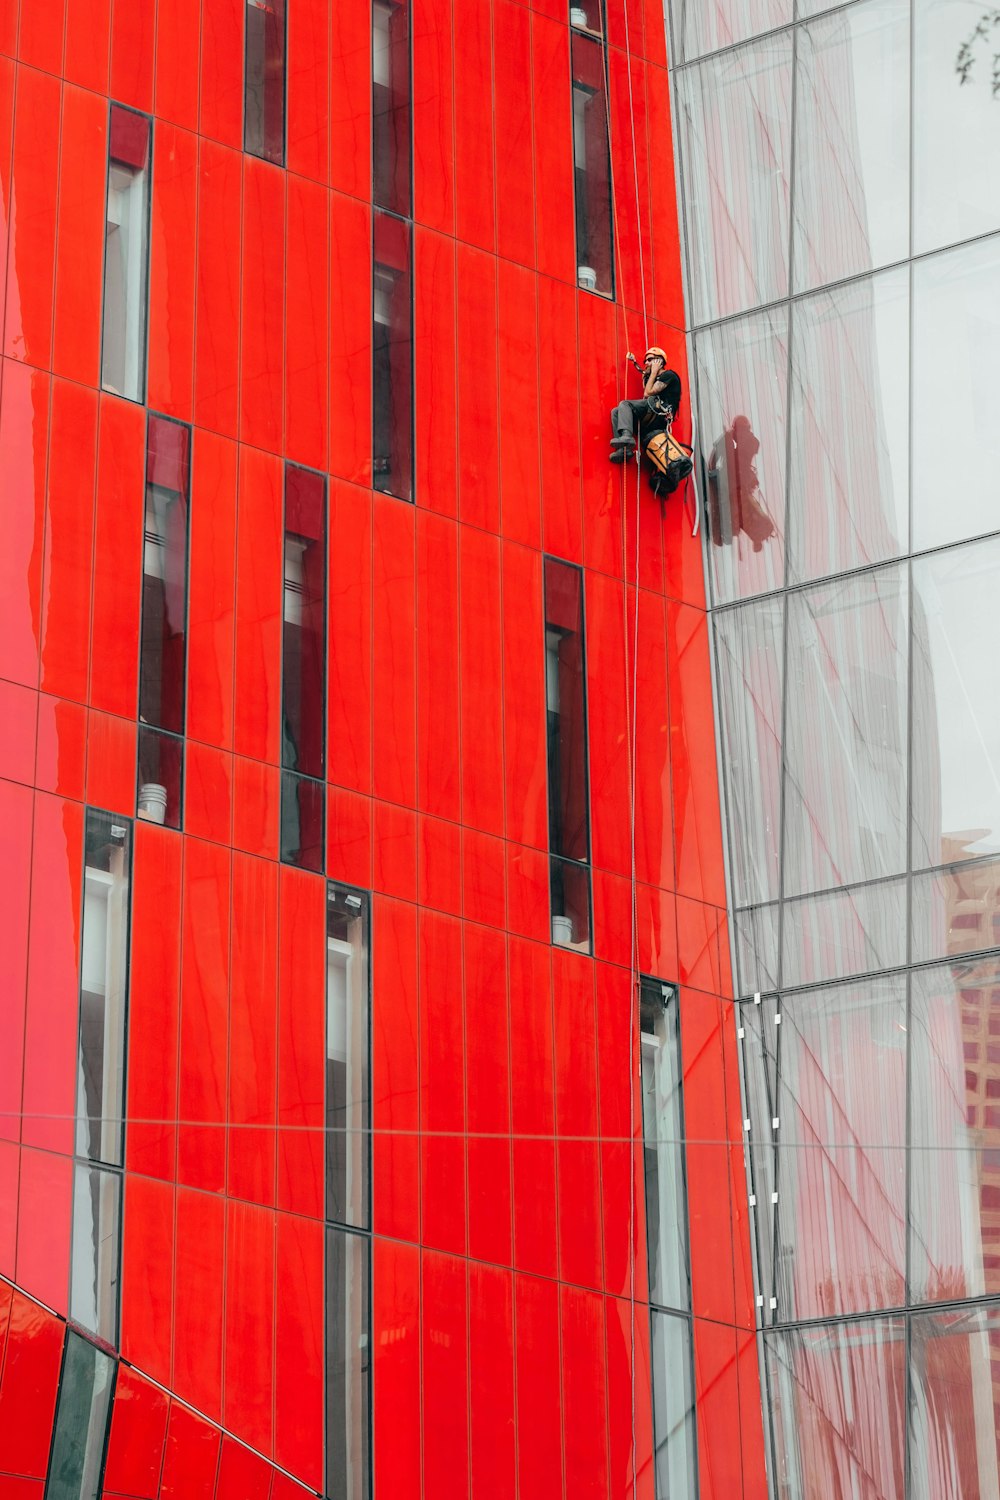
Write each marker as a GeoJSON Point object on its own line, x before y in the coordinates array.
{"type": "Point", "coordinates": [667, 1245]}
{"type": "Point", "coordinates": [587, 16]}
{"type": "Point", "coordinates": [348, 1365]}
{"type": "Point", "coordinates": [348, 1048]}
{"type": "Point", "coordinates": [392, 359]}
{"type": "Point", "coordinates": [348, 1195]}
{"type": "Point", "coordinates": [163, 656]}
{"type": "Point", "coordinates": [303, 671]}
{"type": "Point", "coordinates": [264, 114]}
{"type": "Point", "coordinates": [96, 1236]}
{"type": "Point", "coordinates": [566, 718]}
{"type": "Point", "coordinates": [592, 162]}
{"type": "Point", "coordinates": [663, 1152]}
{"type": "Point", "coordinates": [103, 989]}
{"type": "Point", "coordinates": [391, 106]}
{"type": "Point", "coordinates": [126, 254]}
{"type": "Point", "coordinates": [83, 1416]}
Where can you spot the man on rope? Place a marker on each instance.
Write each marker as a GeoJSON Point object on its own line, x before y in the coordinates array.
{"type": "Point", "coordinates": [652, 416]}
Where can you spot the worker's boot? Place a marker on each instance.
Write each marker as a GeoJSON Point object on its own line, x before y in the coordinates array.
{"type": "Point", "coordinates": [622, 448]}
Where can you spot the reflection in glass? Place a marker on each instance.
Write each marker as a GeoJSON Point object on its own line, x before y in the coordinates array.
{"type": "Point", "coordinates": [348, 1030]}
{"type": "Point", "coordinates": [956, 706]}
{"type": "Point", "coordinates": [852, 147]}
{"type": "Point", "coordinates": [837, 1396]}
{"type": "Point", "coordinates": [348, 1365]}
{"type": "Point", "coordinates": [566, 723]}
{"type": "Point", "coordinates": [103, 988]}
{"type": "Point", "coordinates": [701, 26]}
{"type": "Point", "coordinates": [849, 418]}
{"type": "Point", "coordinates": [956, 129]}
{"type": "Point", "coordinates": [956, 374]}
{"type": "Point", "coordinates": [856, 930]}
{"type": "Point", "coordinates": [841, 1150]}
{"type": "Point", "coordinates": [303, 637]}
{"type": "Point", "coordinates": [845, 732]}
{"type": "Point", "coordinates": [83, 1416]}
{"type": "Point", "coordinates": [163, 658]}
{"type": "Point", "coordinates": [93, 1292]}
{"type": "Point", "coordinates": [663, 1150]}
{"type": "Point", "coordinates": [303, 821]}
{"type": "Point", "coordinates": [734, 115]}
{"type": "Point", "coordinates": [759, 1043]}
{"type": "Point", "coordinates": [126, 255]}
{"type": "Point", "coordinates": [391, 121]}
{"type": "Point", "coordinates": [955, 910]}
{"type": "Point", "coordinates": [592, 166]}
{"type": "Point", "coordinates": [955, 1132]}
{"type": "Point", "coordinates": [674, 1441]}
{"type": "Point", "coordinates": [757, 947]}
{"type": "Point", "coordinates": [160, 777]}
{"type": "Point", "coordinates": [749, 651]}
{"type": "Point", "coordinates": [955, 1408]}
{"type": "Point", "coordinates": [742, 388]}
{"type": "Point", "coordinates": [392, 359]}
{"type": "Point", "coordinates": [264, 118]}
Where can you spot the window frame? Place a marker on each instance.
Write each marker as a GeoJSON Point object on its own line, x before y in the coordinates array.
{"type": "Point", "coordinates": [139, 398]}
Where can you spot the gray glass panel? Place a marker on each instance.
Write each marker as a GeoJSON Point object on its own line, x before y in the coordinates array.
{"type": "Point", "coordinates": [955, 910]}
{"type": "Point", "coordinates": [734, 116]}
{"type": "Point", "coordinates": [701, 26]}
{"type": "Point", "coordinates": [956, 375]}
{"type": "Point", "coordinates": [845, 732]}
{"type": "Point", "coordinates": [742, 391]}
{"type": "Point", "coordinates": [348, 1047]}
{"type": "Point", "coordinates": [756, 947]}
{"type": "Point", "coordinates": [663, 1147]}
{"type": "Point", "coordinates": [749, 653]}
{"type": "Point", "coordinates": [956, 129]}
{"type": "Point", "coordinates": [760, 1068]}
{"type": "Point", "coordinates": [348, 1365]}
{"type": "Point", "coordinates": [955, 1408]}
{"type": "Point", "coordinates": [94, 1267]}
{"type": "Point", "coordinates": [841, 1141]}
{"type": "Point", "coordinates": [851, 205]}
{"type": "Point", "coordinates": [103, 988]}
{"type": "Point", "coordinates": [83, 1413]}
{"type": "Point", "coordinates": [849, 418]}
{"type": "Point", "coordinates": [955, 1132]}
{"type": "Point", "coordinates": [675, 1451]}
{"type": "Point", "coordinates": [956, 705]}
{"type": "Point", "coordinates": [837, 1397]}
{"type": "Point", "coordinates": [839, 933]}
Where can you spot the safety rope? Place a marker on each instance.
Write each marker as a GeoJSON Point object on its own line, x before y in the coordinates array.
{"type": "Point", "coordinates": [634, 1060]}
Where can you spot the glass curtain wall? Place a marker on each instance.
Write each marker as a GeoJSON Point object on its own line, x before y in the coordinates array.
{"type": "Point", "coordinates": [841, 219]}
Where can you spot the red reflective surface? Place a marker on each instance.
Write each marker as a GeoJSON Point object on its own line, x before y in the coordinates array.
{"type": "Point", "coordinates": [503, 1154]}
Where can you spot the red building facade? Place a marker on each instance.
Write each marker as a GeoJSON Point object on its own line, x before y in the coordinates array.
{"type": "Point", "coordinates": [325, 632]}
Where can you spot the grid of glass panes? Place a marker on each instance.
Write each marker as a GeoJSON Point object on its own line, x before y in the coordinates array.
{"type": "Point", "coordinates": [842, 237]}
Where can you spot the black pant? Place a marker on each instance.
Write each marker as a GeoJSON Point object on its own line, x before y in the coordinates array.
{"type": "Point", "coordinates": [628, 415]}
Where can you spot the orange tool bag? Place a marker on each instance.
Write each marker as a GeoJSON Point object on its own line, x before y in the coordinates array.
{"type": "Point", "coordinates": [663, 449]}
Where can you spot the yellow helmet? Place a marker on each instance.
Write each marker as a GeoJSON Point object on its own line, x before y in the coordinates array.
{"type": "Point", "coordinates": [655, 353]}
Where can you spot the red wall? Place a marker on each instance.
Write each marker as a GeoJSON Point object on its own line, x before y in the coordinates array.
{"type": "Point", "coordinates": [502, 1332]}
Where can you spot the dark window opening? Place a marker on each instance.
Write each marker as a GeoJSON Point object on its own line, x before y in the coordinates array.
{"type": "Point", "coordinates": [566, 721]}
{"type": "Point", "coordinates": [592, 162]}
{"type": "Point", "coordinates": [587, 15]}
{"type": "Point", "coordinates": [348, 1365]}
{"type": "Point", "coordinates": [392, 359]}
{"type": "Point", "coordinates": [163, 659]}
{"type": "Point", "coordinates": [264, 113]}
{"type": "Point", "coordinates": [126, 254]}
{"type": "Point", "coordinates": [303, 670]}
{"type": "Point", "coordinates": [82, 1421]}
{"type": "Point", "coordinates": [391, 120]}
{"type": "Point", "coordinates": [161, 777]}
{"type": "Point", "coordinates": [348, 1052]}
